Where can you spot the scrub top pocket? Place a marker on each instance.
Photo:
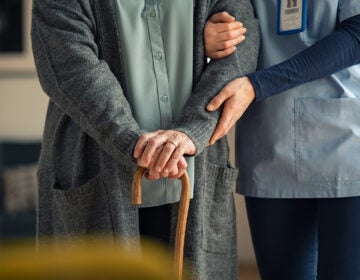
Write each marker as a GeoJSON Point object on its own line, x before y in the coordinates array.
{"type": "Point", "coordinates": [327, 139]}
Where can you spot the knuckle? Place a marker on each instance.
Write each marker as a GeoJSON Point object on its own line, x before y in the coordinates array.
{"type": "Point", "coordinates": [231, 35]}
{"type": "Point", "coordinates": [151, 174]}
{"type": "Point", "coordinates": [143, 137]}
{"type": "Point", "coordinates": [222, 128]}
{"type": "Point", "coordinates": [173, 173]}
{"type": "Point", "coordinates": [183, 165]}
{"type": "Point", "coordinates": [145, 161]}
{"type": "Point", "coordinates": [176, 156]}
{"type": "Point", "coordinates": [227, 44]}
{"type": "Point", "coordinates": [140, 163]}
{"type": "Point", "coordinates": [232, 110]}
{"type": "Point", "coordinates": [227, 26]}
{"type": "Point", "coordinates": [227, 91]}
{"type": "Point", "coordinates": [177, 135]}
{"type": "Point", "coordinates": [223, 14]}
{"type": "Point", "coordinates": [215, 102]}
{"type": "Point", "coordinates": [152, 142]}
{"type": "Point", "coordinates": [168, 148]}
{"type": "Point", "coordinates": [160, 163]}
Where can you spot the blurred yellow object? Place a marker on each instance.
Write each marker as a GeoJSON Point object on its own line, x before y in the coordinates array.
{"type": "Point", "coordinates": [87, 259]}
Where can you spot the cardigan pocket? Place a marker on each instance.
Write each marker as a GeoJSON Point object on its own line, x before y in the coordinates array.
{"type": "Point", "coordinates": [82, 210]}
{"type": "Point", "coordinates": [327, 139]}
{"type": "Point", "coordinates": [218, 217]}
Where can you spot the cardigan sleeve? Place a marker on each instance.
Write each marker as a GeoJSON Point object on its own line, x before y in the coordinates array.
{"type": "Point", "coordinates": [77, 80]}
{"type": "Point", "coordinates": [195, 120]}
{"type": "Point", "coordinates": [335, 52]}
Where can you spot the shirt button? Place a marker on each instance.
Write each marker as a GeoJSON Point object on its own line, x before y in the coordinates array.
{"type": "Point", "coordinates": [158, 55]}
{"type": "Point", "coordinates": [152, 14]}
{"type": "Point", "coordinates": [164, 98]}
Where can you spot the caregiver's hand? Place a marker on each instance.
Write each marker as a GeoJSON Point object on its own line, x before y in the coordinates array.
{"type": "Point", "coordinates": [221, 34]}
{"type": "Point", "coordinates": [162, 152]}
{"type": "Point", "coordinates": [236, 97]}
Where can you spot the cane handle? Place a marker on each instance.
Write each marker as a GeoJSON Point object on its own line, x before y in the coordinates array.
{"type": "Point", "coordinates": [182, 215]}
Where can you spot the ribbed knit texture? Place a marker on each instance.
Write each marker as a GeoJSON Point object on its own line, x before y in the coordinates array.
{"type": "Point", "coordinates": [86, 164]}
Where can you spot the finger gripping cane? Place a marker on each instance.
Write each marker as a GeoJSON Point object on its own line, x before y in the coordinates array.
{"type": "Point", "coordinates": [182, 215]}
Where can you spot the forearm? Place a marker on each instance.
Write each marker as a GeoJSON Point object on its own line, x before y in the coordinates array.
{"type": "Point", "coordinates": [195, 120]}
{"type": "Point", "coordinates": [339, 50]}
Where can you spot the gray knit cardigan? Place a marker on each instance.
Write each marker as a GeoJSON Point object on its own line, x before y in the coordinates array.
{"type": "Point", "coordinates": [86, 163]}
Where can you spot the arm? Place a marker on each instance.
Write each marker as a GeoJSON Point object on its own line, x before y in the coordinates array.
{"type": "Point", "coordinates": [77, 80]}
{"type": "Point", "coordinates": [339, 50]}
{"type": "Point", "coordinates": [195, 122]}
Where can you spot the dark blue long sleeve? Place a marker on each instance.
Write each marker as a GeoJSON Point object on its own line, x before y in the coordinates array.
{"type": "Point", "coordinates": [339, 50]}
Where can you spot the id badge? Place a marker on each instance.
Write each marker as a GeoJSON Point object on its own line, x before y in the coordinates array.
{"type": "Point", "coordinates": [291, 16]}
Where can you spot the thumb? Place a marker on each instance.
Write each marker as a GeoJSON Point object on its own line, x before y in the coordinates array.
{"type": "Point", "coordinates": [222, 17]}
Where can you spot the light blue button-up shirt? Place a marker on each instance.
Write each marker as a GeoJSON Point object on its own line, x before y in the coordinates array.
{"type": "Point", "coordinates": [157, 51]}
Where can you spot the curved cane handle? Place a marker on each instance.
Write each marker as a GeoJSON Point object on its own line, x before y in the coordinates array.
{"type": "Point", "coordinates": [182, 215]}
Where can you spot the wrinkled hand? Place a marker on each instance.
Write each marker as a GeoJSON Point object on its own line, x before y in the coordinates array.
{"type": "Point", "coordinates": [175, 173]}
{"type": "Point", "coordinates": [221, 34]}
{"type": "Point", "coordinates": [162, 152]}
{"type": "Point", "coordinates": [236, 97]}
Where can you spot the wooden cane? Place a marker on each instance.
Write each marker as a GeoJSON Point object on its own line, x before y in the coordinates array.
{"type": "Point", "coordinates": [182, 216]}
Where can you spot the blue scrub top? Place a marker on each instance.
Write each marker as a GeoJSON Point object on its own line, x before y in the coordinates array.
{"type": "Point", "coordinates": [305, 142]}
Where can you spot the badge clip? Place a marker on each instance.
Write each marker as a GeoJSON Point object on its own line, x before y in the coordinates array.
{"type": "Point", "coordinates": [291, 16]}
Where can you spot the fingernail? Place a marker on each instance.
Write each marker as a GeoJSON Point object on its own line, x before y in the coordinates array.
{"type": "Point", "coordinates": [210, 107]}
{"type": "Point", "coordinates": [166, 170]}
{"type": "Point", "coordinates": [158, 169]}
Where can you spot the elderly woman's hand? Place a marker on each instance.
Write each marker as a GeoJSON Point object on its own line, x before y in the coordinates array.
{"type": "Point", "coordinates": [221, 34]}
{"type": "Point", "coordinates": [162, 152]}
